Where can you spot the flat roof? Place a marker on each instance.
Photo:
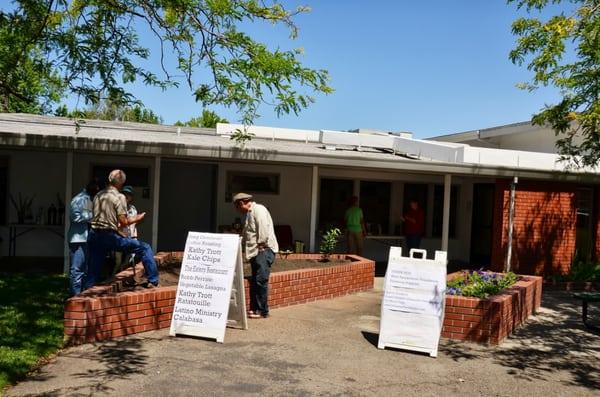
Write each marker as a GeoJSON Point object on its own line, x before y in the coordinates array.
{"type": "Point", "coordinates": [55, 133]}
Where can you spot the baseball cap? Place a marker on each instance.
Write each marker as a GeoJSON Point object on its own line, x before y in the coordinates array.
{"type": "Point", "coordinates": [127, 190]}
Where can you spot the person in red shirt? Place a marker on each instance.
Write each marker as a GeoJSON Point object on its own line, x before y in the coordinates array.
{"type": "Point", "coordinates": [414, 225]}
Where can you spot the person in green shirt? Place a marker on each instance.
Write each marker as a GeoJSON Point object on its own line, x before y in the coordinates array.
{"type": "Point", "coordinates": [355, 227]}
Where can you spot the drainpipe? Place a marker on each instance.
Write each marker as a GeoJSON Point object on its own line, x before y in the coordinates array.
{"type": "Point", "coordinates": [511, 218]}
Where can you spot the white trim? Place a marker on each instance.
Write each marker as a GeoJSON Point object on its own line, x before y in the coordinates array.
{"type": "Point", "coordinates": [446, 214]}
{"type": "Point", "coordinates": [155, 200]}
{"type": "Point", "coordinates": [314, 193]}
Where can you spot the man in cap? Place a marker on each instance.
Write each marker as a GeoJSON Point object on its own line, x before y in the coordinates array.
{"type": "Point", "coordinates": [260, 245]}
{"type": "Point", "coordinates": [122, 260]}
{"type": "Point", "coordinates": [110, 215]}
{"type": "Point", "coordinates": [131, 229]}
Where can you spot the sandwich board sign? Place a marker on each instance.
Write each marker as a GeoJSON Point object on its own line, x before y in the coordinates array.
{"type": "Point", "coordinates": [412, 310]}
{"type": "Point", "coordinates": [211, 287]}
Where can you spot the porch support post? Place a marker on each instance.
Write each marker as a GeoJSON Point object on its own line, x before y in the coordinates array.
{"type": "Point", "coordinates": [68, 195]}
{"type": "Point", "coordinates": [446, 214]}
{"type": "Point", "coordinates": [511, 219]}
{"type": "Point", "coordinates": [155, 197]}
{"type": "Point", "coordinates": [313, 207]}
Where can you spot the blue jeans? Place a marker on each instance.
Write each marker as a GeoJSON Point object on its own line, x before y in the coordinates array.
{"type": "Point", "coordinates": [77, 254]}
{"type": "Point", "coordinates": [259, 286]}
{"type": "Point", "coordinates": [102, 242]}
{"type": "Point", "coordinates": [412, 241]}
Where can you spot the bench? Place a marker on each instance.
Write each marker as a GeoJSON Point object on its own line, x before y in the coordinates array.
{"type": "Point", "coordinates": [585, 298]}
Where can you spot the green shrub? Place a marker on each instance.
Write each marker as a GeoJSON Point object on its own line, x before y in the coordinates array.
{"type": "Point", "coordinates": [480, 284]}
{"type": "Point", "coordinates": [581, 271]}
{"type": "Point", "coordinates": [329, 242]}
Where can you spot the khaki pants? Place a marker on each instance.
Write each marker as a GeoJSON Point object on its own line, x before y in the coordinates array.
{"type": "Point", "coordinates": [355, 243]}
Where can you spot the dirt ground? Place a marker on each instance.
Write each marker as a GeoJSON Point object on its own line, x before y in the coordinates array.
{"type": "Point", "coordinates": [169, 272]}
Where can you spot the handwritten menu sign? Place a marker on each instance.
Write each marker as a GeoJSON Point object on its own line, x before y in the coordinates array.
{"type": "Point", "coordinates": [205, 284]}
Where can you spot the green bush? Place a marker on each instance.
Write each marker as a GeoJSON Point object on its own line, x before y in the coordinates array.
{"type": "Point", "coordinates": [581, 271]}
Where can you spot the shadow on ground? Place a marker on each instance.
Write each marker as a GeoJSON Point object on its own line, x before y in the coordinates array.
{"type": "Point", "coordinates": [552, 344]}
{"type": "Point", "coordinates": [115, 360]}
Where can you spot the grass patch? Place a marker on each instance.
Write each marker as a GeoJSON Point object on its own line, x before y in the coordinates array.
{"type": "Point", "coordinates": [31, 322]}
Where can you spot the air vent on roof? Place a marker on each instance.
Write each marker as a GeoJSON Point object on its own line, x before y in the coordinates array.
{"type": "Point", "coordinates": [403, 134]}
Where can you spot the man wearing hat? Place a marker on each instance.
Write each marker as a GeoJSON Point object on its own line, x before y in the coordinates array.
{"type": "Point", "coordinates": [131, 229]}
{"type": "Point", "coordinates": [260, 245]}
{"type": "Point", "coordinates": [110, 216]}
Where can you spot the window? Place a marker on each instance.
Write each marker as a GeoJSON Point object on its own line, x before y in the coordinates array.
{"type": "Point", "coordinates": [584, 203]}
{"type": "Point", "coordinates": [584, 236]}
{"type": "Point", "coordinates": [251, 182]}
{"type": "Point", "coordinates": [375, 204]}
{"type": "Point", "coordinates": [415, 192]}
{"type": "Point", "coordinates": [334, 198]}
{"type": "Point", "coordinates": [438, 211]}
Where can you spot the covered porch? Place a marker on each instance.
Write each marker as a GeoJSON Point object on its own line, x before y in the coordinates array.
{"type": "Point", "coordinates": [184, 179]}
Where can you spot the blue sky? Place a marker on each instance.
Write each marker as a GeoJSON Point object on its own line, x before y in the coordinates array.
{"type": "Point", "coordinates": [429, 67]}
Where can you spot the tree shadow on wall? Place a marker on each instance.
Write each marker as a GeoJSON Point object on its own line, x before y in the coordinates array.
{"type": "Point", "coordinates": [545, 237]}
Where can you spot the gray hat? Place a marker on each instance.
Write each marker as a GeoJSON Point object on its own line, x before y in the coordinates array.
{"type": "Point", "coordinates": [241, 196]}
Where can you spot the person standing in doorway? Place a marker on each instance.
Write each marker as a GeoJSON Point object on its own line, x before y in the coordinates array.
{"type": "Point", "coordinates": [110, 216]}
{"type": "Point", "coordinates": [260, 246]}
{"type": "Point", "coordinates": [355, 227]}
{"type": "Point", "coordinates": [80, 217]}
{"type": "Point", "coordinates": [414, 225]}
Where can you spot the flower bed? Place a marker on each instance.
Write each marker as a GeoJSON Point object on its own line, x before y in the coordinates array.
{"type": "Point", "coordinates": [492, 319]}
{"type": "Point", "coordinates": [480, 284]}
{"type": "Point", "coordinates": [103, 313]}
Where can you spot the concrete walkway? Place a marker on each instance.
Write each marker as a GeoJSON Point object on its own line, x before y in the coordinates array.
{"type": "Point", "coordinates": [329, 348]}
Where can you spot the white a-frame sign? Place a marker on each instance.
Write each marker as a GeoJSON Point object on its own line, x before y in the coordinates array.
{"type": "Point", "coordinates": [412, 310]}
{"type": "Point", "coordinates": [211, 287]}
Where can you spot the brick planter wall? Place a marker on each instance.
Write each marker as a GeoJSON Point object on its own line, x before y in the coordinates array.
{"type": "Point", "coordinates": [101, 313]}
{"type": "Point", "coordinates": [491, 320]}
{"type": "Point", "coordinates": [307, 285]}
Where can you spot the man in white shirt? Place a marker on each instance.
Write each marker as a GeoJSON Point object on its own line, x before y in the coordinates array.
{"type": "Point", "coordinates": [260, 245]}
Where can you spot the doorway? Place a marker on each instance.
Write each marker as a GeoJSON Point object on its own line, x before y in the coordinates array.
{"type": "Point", "coordinates": [482, 224]}
{"type": "Point", "coordinates": [187, 202]}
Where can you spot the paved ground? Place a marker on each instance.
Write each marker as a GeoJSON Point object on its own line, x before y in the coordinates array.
{"type": "Point", "coordinates": [329, 348]}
